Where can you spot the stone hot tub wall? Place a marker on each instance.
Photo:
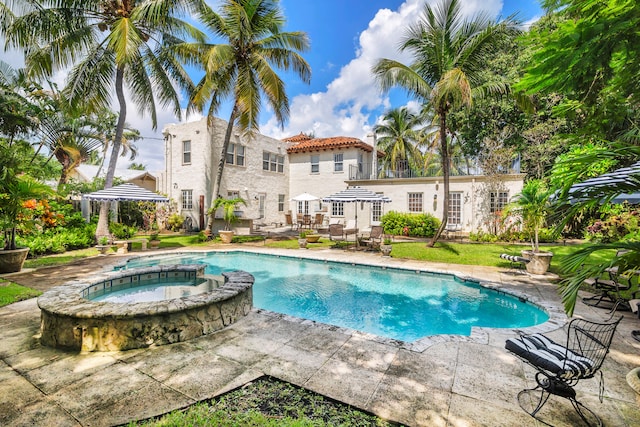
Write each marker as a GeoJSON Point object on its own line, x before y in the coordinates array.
{"type": "Point", "coordinates": [70, 321]}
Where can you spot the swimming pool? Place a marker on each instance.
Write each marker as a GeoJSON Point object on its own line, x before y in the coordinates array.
{"type": "Point", "coordinates": [395, 303]}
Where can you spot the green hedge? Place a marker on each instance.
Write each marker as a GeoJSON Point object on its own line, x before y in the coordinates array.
{"type": "Point", "coordinates": [58, 240]}
{"type": "Point", "coordinates": [405, 224]}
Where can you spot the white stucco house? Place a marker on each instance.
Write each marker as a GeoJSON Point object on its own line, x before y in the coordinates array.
{"type": "Point", "coordinates": [257, 169]}
{"type": "Point", "coordinates": [268, 173]}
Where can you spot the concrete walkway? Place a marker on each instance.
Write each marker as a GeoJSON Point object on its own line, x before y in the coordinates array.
{"type": "Point", "coordinates": [444, 381]}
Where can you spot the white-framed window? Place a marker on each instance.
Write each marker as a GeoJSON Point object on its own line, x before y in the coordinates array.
{"type": "Point", "coordinates": [315, 163]}
{"type": "Point", "coordinates": [235, 154]}
{"type": "Point", "coordinates": [338, 162]}
{"type": "Point", "coordinates": [498, 200]}
{"type": "Point", "coordinates": [272, 162]}
{"type": "Point", "coordinates": [186, 152]}
{"type": "Point", "coordinates": [337, 209]}
{"type": "Point", "coordinates": [280, 202]}
{"type": "Point", "coordinates": [415, 202]}
{"type": "Point", "coordinates": [303, 207]}
{"type": "Point", "coordinates": [455, 208]}
{"type": "Point", "coordinates": [376, 211]}
{"type": "Point", "coordinates": [187, 199]}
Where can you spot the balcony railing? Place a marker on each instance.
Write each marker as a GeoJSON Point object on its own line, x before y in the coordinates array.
{"type": "Point", "coordinates": [364, 172]}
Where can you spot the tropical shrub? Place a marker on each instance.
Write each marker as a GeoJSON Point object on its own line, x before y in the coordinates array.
{"type": "Point", "coordinates": [122, 231]}
{"type": "Point", "coordinates": [405, 224]}
{"type": "Point", "coordinates": [58, 240]}
{"type": "Point", "coordinates": [175, 221]}
{"type": "Point", "coordinates": [617, 222]}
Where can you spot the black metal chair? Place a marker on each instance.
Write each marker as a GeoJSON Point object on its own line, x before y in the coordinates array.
{"type": "Point", "coordinates": [560, 367]}
{"type": "Point", "coordinates": [609, 292]}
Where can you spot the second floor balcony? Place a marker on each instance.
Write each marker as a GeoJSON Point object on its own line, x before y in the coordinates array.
{"type": "Point", "coordinates": [458, 168]}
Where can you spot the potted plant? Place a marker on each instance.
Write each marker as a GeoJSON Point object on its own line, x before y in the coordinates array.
{"type": "Point", "coordinates": [229, 216]}
{"type": "Point", "coordinates": [532, 205]}
{"type": "Point", "coordinates": [17, 190]}
{"type": "Point", "coordinates": [154, 240]}
{"type": "Point", "coordinates": [312, 236]}
{"type": "Point", "coordinates": [103, 245]}
{"type": "Point", "coordinates": [386, 247]}
{"type": "Point", "coordinates": [302, 240]}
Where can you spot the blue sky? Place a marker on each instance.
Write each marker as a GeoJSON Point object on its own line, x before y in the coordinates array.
{"type": "Point", "coordinates": [347, 38]}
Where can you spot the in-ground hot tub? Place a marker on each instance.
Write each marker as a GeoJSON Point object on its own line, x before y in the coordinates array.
{"type": "Point", "coordinates": [71, 319]}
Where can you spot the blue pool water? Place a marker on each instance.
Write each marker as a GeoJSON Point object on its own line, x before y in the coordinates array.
{"type": "Point", "coordinates": [393, 303]}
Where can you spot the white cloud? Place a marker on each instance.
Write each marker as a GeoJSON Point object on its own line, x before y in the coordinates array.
{"type": "Point", "coordinates": [151, 148]}
{"type": "Point", "coordinates": [352, 102]}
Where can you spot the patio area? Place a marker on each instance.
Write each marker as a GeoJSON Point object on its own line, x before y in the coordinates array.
{"type": "Point", "coordinates": [443, 381]}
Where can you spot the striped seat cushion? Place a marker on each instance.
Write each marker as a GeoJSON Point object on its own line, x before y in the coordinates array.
{"type": "Point", "coordinates": [544, 353]}
{"type": "Point", "coordinates": [514, 258]}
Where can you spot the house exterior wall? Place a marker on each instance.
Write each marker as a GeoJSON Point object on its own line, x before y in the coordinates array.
{"type": "Point", "coordinates": [248, 181]}
{"type": "Point", "coordinates": [326, 181]}
{"type": "Point", "coordinates": [474, 196]}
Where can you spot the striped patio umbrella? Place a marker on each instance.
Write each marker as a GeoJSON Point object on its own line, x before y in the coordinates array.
{"type": "Point", "coordinates": [625, 180]}
{"type": "Point", "coordinates": [125, 192]}
{"type": "Point", "coordinates": [356, 194]}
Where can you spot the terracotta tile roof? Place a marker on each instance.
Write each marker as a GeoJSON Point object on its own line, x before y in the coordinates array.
{"type": "Point", "coordinates": [321, 144]}
{"type": "Point", "coordinates": [298, 138]}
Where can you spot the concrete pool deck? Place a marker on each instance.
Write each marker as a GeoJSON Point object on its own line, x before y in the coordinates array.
{"type": "Point", "coordinates": [445, 381]}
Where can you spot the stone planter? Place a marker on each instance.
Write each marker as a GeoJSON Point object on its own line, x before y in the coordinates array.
{"type": "Point", "coordinates": [11, 261]}
{"type": "Point", "coordinates": [104, 249]}
{"type": "Point", "coordinates": [312, 238]}
{"type": "Point", "coordinates": [539, 262]}
{"type": "Point", "coordinates": [226, 236]}
{"type": "Point", "coordinates": [155, 244]}
{"type": "Point", "coordinates": [386, 250]}
{"type": "Point", "coordinates": [633, 379]}
{"type": "Point", "coordinates": [302, 243]}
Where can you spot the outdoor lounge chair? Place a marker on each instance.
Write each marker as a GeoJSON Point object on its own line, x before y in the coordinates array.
{"type": "Point", "coordinates": [560, 367]}
{"type": "Point", "coordinates": [336, 233]}
{"type": "Point", "coordinates": [289, 221]}
{"type": "Point", "coordinates": [375, 237]}
{"type": "Point", "coordinates": [350, 228]}
{"type": "Point", "coordinates": [318, 220]}
{"type": "Point", "coordinates": [609, 292]}
{"type": "Point", "coordinates": [516, 262]}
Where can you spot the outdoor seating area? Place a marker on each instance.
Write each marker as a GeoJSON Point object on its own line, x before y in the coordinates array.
{"type": "Point", "coordinates": [561, 367]}
{"type": "Point", "coordinates": [609, 292]}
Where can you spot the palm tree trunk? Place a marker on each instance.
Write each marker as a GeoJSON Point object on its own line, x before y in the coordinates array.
{"type": "Point", "coordinates": [216, 184]}
{"type": "Point", "coordinates": [103, 220]}
{"type": "Point", "coordinates": [444, 148]}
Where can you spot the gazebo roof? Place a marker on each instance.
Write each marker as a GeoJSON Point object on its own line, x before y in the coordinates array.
{"type": "Point", "coordinates": [125, 192]}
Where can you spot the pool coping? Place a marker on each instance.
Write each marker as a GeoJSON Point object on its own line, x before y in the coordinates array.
{"type": "Point", "coordinates": [480, 335]}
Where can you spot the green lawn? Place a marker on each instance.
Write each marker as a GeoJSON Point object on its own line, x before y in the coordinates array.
{"type": "Point", "coordinates": [482, 253]}
{"type": "Point", "coordinates": [12, 292]}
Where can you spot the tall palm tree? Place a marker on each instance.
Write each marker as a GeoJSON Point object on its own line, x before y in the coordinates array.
{"type": "Point", "coordinates": [242, 70]}
{"type": "Point", "coordinates": [397, 137]}
{"type": "Point", "coordinates": [107, 121]}
{"type": "Point", "coordinates": [110, 45]}
{"type": "Point", "coordinates": [449, 60]}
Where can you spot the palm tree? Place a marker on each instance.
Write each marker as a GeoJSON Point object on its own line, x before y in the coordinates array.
{"type": "Point", "coordinates": [450, 56]}
{"type": "Point", "coordinates": [398, 136]}
{"type": "Point", "coordinates": [242, 70]}
{"type": "Point", "coordinates": [110, 44]}
{"type": "Point", "coordinates": [107, 123]}
{"type": "Point", "coordinates": [68, 131]}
